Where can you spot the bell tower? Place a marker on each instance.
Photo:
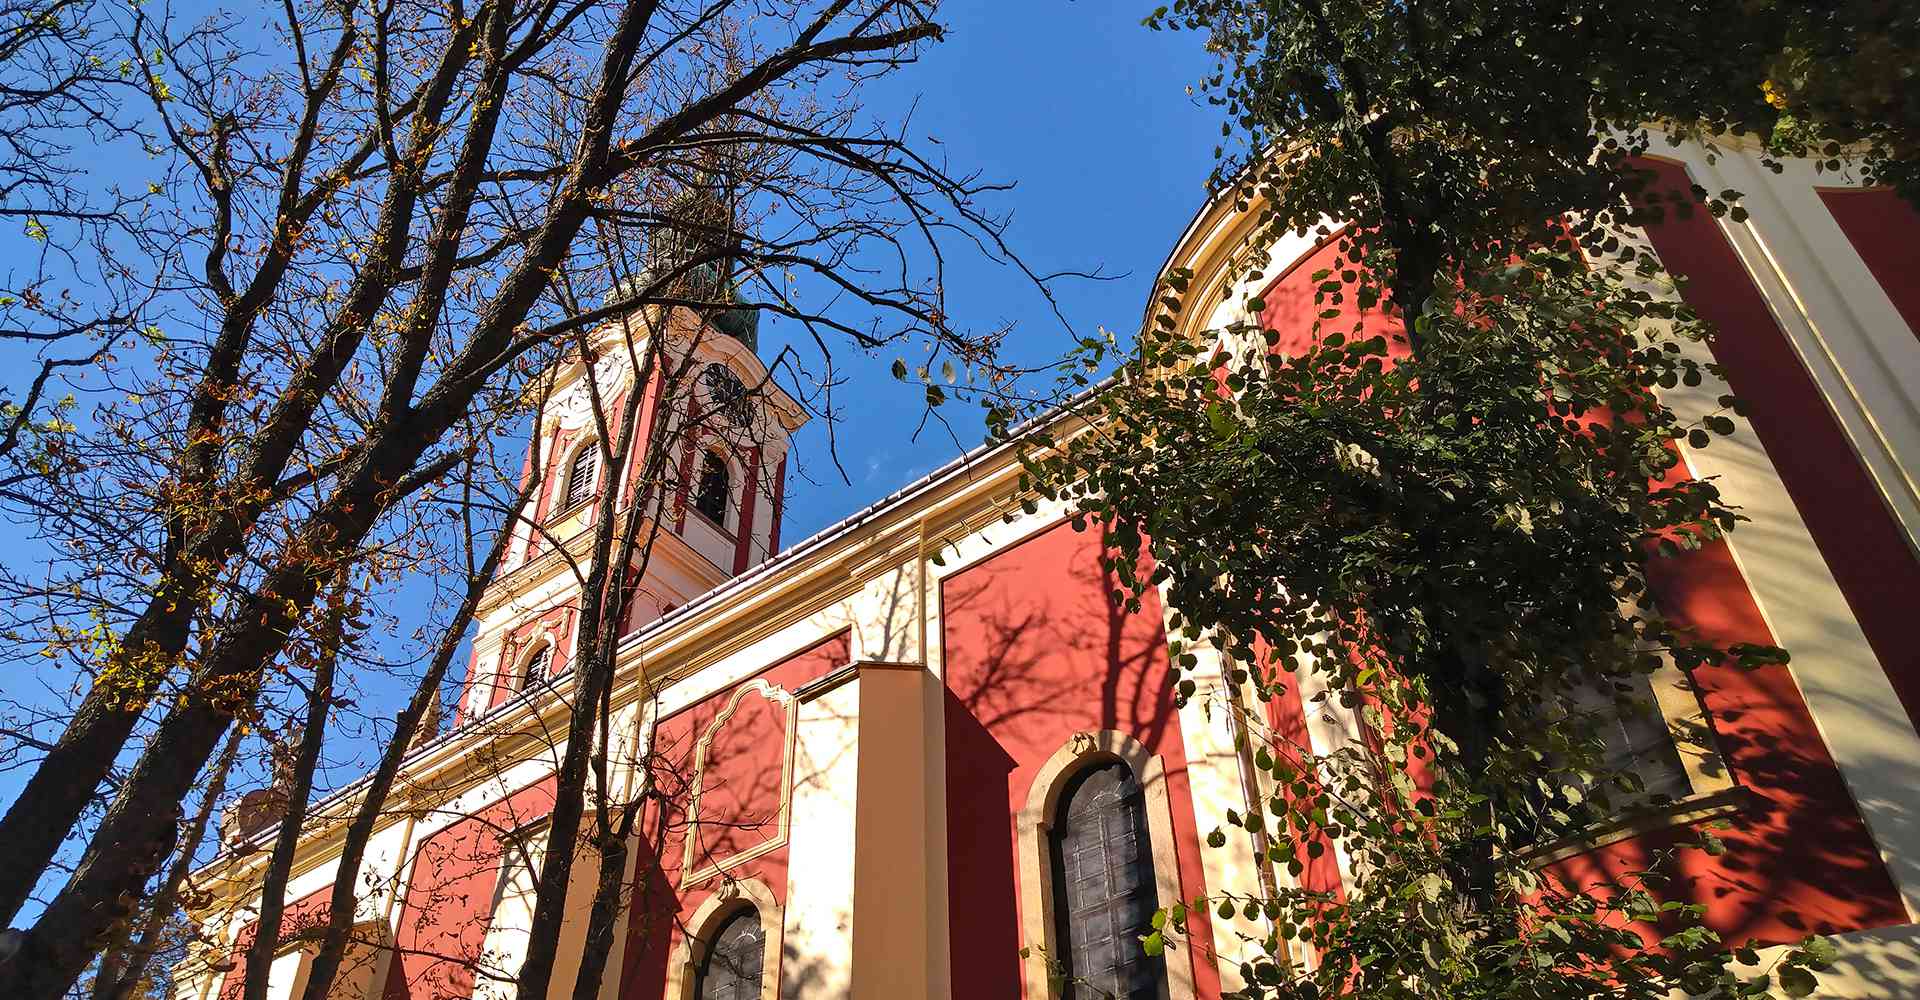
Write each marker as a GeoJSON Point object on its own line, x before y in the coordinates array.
{"type": "Point", "coordinates": [706, 461]}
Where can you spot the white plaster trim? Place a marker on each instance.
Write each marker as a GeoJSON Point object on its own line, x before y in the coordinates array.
{"type": "Point", "coordinates": [1835, 316]}
{"type": "Point", "coordinates": [1845, 687]}
{"type": "Point", "coordinates": [1873, 964]}
{"type": "Point", "coordinates": [572, 407]}
{"type": "Point", "coordinates": [729, 898]}
{"type": "Point", "coordinates": [1689, 731]}
{"type": "Point", "coordinates": [1035, 821]}
{"type": "Point", "coordinates": [1330, 728]}
{"type": "Point", "coordinates": [690, 876]}
{"type": "Point", "coordinates": [1221, 778]}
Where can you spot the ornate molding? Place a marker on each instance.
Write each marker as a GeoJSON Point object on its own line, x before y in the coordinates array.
{"type": "Point", "coordinates": [790, 706]}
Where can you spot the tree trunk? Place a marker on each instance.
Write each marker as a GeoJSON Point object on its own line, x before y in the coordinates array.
{"type": "Point", "coordinates": [273, 894]}
{"type": "Point", "coordinates": [128, 844]}
{"type": "Point", "coordinates": [333, 944]}
{"type": "Point", "coordinates": [166, 902]}
{"type": "Point", "coordinates": [51, 804]}
{"type": "Point", "coordinates": [600, 613]}
{"type": "Point", "coordinates": [605, 915]}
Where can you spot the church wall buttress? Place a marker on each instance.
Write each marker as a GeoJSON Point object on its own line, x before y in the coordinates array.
{"type": "Point", "coordinates": [731, 768]}
{"type": "Point", "coordinates": [1035, 651]}
{"type": "Point", "coordinates": [1822, 566]}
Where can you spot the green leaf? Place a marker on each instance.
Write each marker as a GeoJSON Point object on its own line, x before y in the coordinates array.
{"type": "Point", "coordinates": [1796, 981]}
{"type": "Point", "coordinates": [1821, 953]}
{"type": "Point", "coordinates": [1217, 419]}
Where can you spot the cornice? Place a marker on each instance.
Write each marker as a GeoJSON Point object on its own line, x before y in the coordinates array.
{"type": "Point", "coordinates": [527, 576]}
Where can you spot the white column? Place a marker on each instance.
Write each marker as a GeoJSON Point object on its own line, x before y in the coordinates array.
{"type": "Point", "coordinates": [818, 933]}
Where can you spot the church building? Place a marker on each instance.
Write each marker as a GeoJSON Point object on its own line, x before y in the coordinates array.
{"type": "Point", "coordinates": [925, 752]}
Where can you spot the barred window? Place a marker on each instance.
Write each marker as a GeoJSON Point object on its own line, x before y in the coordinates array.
{"type": "Point", "coordinates": [535, 670]}
{"type": "Point", "coordinates": [714, 490]}
{"type": "Point", "coordinates": [727, 393]}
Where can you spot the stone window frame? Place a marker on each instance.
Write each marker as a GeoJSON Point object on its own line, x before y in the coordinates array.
{"type": "Point", "coordinates": [1034, 824]}
{"type": "Point", "coordinates": [512, 660]}
{"type": "Point", "coordinates": [732, 896]}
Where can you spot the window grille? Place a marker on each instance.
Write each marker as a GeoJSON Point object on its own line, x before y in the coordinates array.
{"type": "Point", "coordinates": [728, 395]}
{"type": "Point", "coordinates": [714, 490]}
{"type": "Point", "coordinates": [535, 671]}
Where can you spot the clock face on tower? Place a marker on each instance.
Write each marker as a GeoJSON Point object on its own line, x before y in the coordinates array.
{"type": "Point", "coordinates": [726, 394]}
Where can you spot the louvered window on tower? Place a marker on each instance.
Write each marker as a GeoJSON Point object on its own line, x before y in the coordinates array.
{"type": "Point", "coordinates": [580, 475]}
{"type": "Point", "coordinates": [1103, 887]}
{"type": "Point", "coordinates": [535, 671]}
{"type": "Point", "coordinates": [731, 968]}
{"type": "Point", "coordinates": [715, 486]}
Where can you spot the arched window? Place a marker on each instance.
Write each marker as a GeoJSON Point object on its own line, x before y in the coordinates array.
{"type": "Point", "coordinates": [581, 473]}
{"type": "Point", "coordinates": [731, 967]}
{"type": "Point", "coordinates": [534, 670]}
{"type": "Point", "coordinates": [714, 490]}
{"type": "Point", "coordinates": [1103, 886]}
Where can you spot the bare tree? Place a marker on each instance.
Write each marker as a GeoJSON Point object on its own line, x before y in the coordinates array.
{"type": "Point", "coordinates": [382, 240]}
{"type": "Point", "coordinates": [66, 293]}
{"type": "Point", "coordinates": [372, 805]}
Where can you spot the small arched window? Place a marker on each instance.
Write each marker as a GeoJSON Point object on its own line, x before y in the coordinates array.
{"type": "Point", "coordinates": [1103, 886]}
{"type": "Point", "coordinates": [714, 490]}
{"type": "Point", "coordinates": [731, 967]}
{"type": "Point", "coordinates": [581, 473]}
{"type": "Point", "coordinates": [534, 670]}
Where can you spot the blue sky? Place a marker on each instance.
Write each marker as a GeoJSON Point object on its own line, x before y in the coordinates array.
{"type": "Point", "coordinates": [1087, 113]}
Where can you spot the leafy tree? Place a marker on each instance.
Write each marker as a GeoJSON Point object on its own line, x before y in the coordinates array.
{"type": "Point", "coordinates": [1451, 522]}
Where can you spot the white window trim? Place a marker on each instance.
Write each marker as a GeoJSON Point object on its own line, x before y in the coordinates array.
{"type": "Point", "coordinates": [730, 508]}
{"type": "Point", "coordinates": [730, 897]}
{"type": "Point", "coordinates": [1712, 792]}
{"type": "Point", "coordinates": [1034, 822]}
{"type": "Point", "coordinates": [522, 849]}
{"type": "Point", "coordinates": [518, 678]}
